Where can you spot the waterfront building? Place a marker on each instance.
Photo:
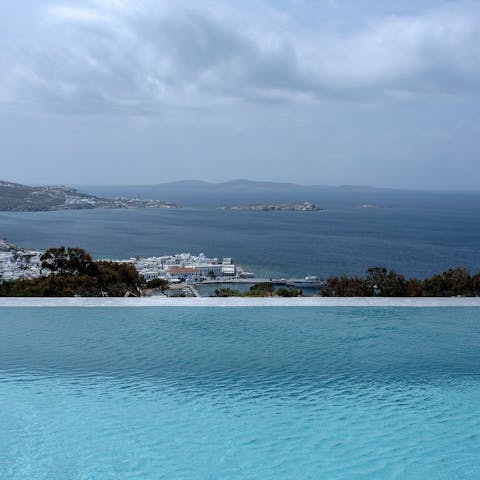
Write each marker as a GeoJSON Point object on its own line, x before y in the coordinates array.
{"type": "Point", "coordinates": [228, 270]}
{"type": "Point", "coordinates": [149, 275]}
{"type": "Point", "coordinates": [187, 274]}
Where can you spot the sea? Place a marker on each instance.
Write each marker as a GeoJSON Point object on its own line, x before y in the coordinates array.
{"type": "Point", "coordinates": [239, 393]}
{"type": "Point", "coordinates": [416, 233]}
{"type": "Point", "coordinates": [276, 393]}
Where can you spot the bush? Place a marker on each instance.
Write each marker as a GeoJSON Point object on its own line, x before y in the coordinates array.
{"type": "Point", "coordinates": [382, 283]}
{"type": "Point", "coordinates": [288, 292]}
{"type": "Point", "coordinates": [226, 292]}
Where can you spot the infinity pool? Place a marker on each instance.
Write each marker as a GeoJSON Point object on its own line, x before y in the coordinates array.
{"type": "Point", "coordinates": [239, 393]}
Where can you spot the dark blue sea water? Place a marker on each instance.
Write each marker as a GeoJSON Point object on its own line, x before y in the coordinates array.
{"type": "Point", "coordinates": [416, 233]}
{"type": "Point", "coordinates": [239, 393]}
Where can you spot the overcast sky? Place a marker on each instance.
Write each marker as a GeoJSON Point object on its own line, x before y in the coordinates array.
{"type": "Point", "coordinates": [332, 92]}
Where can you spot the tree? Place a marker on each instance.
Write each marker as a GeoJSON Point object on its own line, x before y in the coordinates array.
{"type": "Point", "coordinates": [346, 287]}
{"type": "Point", "coordinates": [414, 288]}
{"type": "Point", "coordinates": [380, 282]}
{"type": "Point", "coordinates": [452, 283]}
{"type": "Point", "coordinates": [385, 283]}
{"type": "Point", "coordinates": [159, 283]}
{"type": "Point", "coordinates": [71, 261]}
{"type": "Point", "coordinates": [261, 290]}
{"type": "Point", "coordinates": [476, 284]}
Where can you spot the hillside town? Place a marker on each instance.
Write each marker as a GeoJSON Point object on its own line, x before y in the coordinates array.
{"type": "Point", "coordinates": [17, 262]}
{"type": "Point", "coordinates": [186, 268]}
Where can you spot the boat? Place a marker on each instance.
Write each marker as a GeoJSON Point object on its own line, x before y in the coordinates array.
{"type": "Point", "coordinates": [310, 281]}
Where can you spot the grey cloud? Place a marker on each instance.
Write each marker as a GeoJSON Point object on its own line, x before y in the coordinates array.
{"type": "Point", "coordinates": [105, 56]}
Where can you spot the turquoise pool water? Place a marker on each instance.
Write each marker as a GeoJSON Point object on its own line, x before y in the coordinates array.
{"type": "Point", "coordinates": [239, 393]}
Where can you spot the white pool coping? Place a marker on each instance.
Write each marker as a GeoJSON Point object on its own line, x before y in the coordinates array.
{"type": "Point", "coordinates": [240, 302]}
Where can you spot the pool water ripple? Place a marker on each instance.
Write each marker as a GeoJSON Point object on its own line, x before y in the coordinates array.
{"type": "Point", "coordinates": [290, 393]}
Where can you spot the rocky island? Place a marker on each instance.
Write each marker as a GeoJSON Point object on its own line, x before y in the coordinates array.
{"type": "Point", "coordinates": [276, 207]}
{"type": "Point", "coordinates": [24, 198]}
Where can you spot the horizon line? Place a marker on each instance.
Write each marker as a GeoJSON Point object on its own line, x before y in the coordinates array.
{"type": "Point", "coordinates": [200, 182]}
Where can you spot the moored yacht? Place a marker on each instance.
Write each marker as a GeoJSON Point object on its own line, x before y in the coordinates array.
{"type": "Point", "coordinates": [310, 281]}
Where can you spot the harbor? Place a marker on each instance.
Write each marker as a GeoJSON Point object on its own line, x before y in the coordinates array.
{"type": "Point", "coordinates": [183, 274]}
{"type": "Point", "coordinates": [201, 276]}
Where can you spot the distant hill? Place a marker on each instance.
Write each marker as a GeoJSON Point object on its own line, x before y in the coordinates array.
{"type": "Point", "coordinates": [24, 198]}
{"type": "Point", "coordinates": [198, 193]}
{"type": "Point", "coordinates": [185, 184]}
{"type": "Point", "coordinates": [241, 183]}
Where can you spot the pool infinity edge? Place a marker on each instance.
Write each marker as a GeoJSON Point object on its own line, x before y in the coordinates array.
{"type": "Point", "coordinates": [241, 302]}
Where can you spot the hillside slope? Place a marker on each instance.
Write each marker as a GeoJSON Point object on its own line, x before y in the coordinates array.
{"type": "Point", "coordinates": [23, 198]}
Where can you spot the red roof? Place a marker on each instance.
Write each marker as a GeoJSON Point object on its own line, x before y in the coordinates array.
{"type": "Point", "coordinates": [182, 269]}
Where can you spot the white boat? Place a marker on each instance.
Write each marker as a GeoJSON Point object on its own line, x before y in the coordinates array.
{"type": "Point", "coordinates": [310, 281]}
